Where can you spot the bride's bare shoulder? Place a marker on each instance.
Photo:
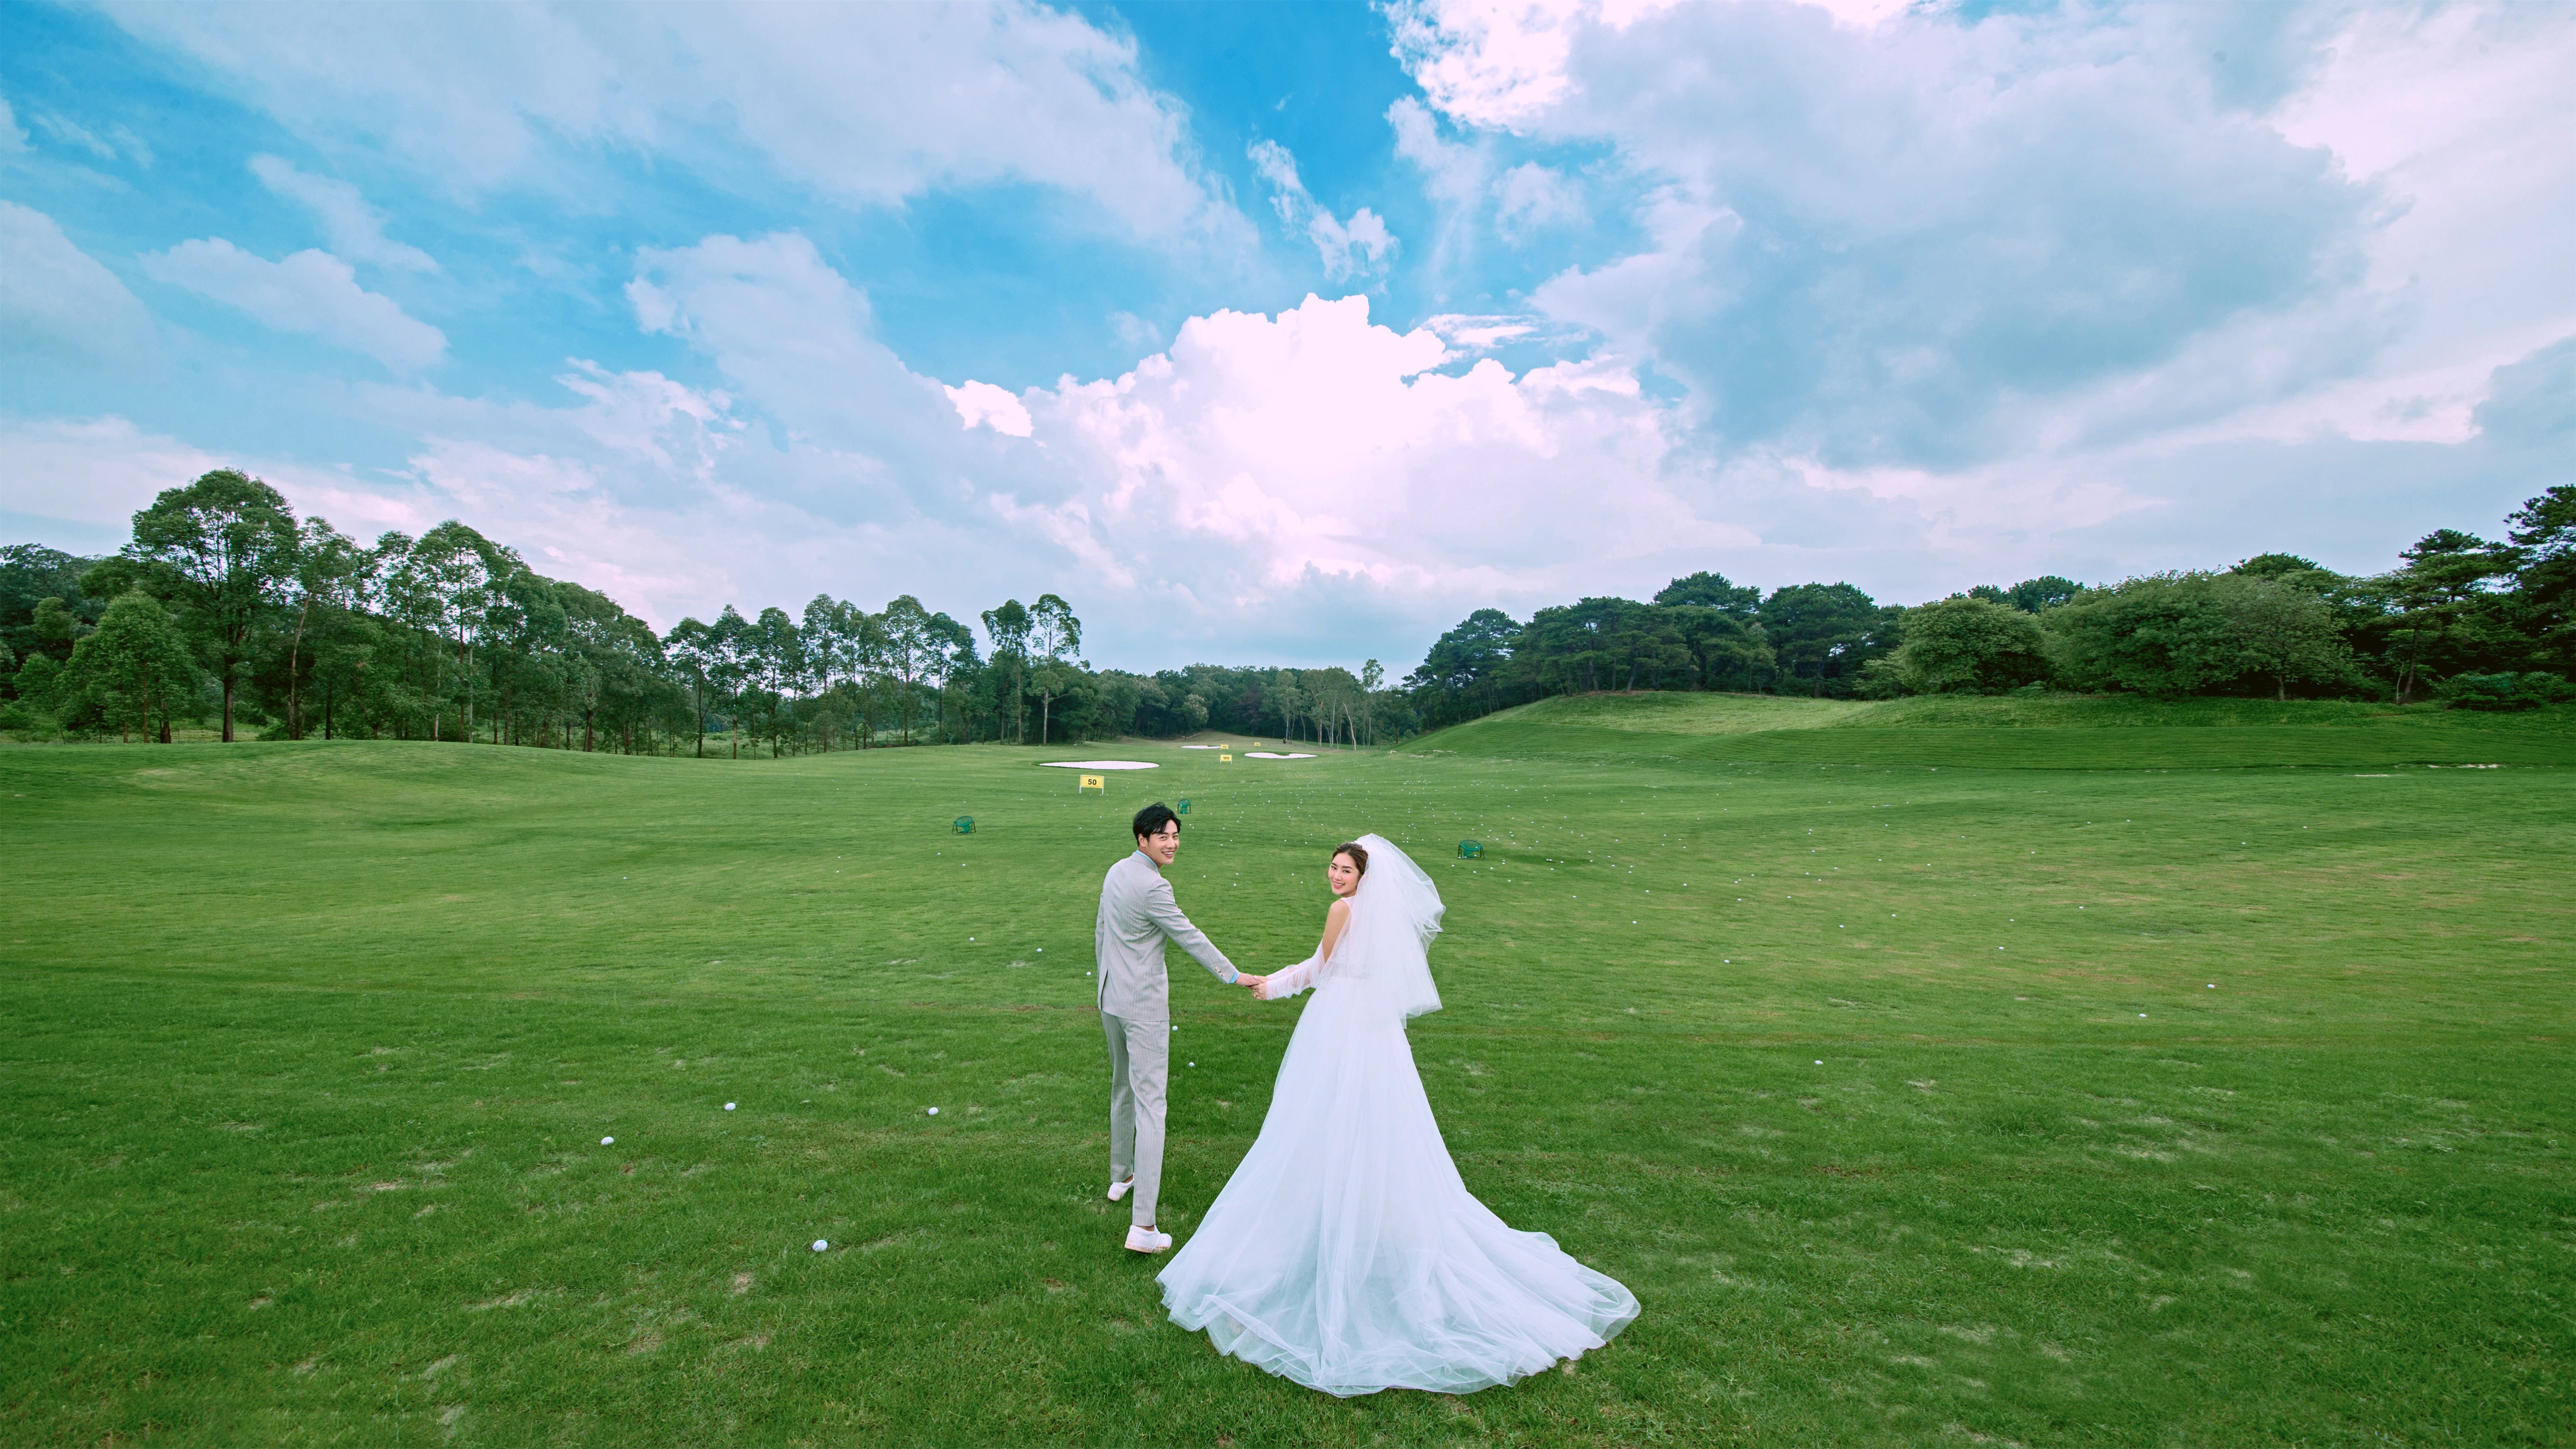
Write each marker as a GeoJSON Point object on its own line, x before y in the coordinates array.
{"type": "Point", "coordinates": [1339, 909]}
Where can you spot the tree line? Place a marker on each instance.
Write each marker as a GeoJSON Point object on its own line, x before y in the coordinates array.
{"type": "Point", "coordinates": [225, 606]}
{"type": "Point", "coordinates": [2476, 623]}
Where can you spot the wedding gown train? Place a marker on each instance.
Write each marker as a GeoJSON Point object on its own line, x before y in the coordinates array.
{"type": "Point", "coordinates": [1346, 1253]}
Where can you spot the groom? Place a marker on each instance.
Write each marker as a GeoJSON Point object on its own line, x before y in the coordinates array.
{"type": "Point", "coordinates": [1137, 914]}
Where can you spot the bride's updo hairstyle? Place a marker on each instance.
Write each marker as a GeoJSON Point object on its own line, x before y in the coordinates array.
{"type": "Point", "coordinates": [1359, 857]}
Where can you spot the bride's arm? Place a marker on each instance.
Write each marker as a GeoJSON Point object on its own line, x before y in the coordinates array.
{"type": "Point", "coordinates": [1283, 984]}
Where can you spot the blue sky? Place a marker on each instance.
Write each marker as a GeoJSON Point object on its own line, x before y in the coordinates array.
{"type": "Point", "coordinates": [1280, 333]}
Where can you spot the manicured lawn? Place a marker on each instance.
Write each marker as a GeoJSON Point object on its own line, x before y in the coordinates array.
{"type": "Point", "coordinates": [2162, 1106]}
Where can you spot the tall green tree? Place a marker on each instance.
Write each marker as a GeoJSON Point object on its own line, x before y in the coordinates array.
{"type": "Point", "coordinates": [2543, 537]}
{"type": "Point", "coordinates": [31, 573]}
{"type": "Point", "coordinates": [1969, 644]}
{"type": "Point", "coordinates": [135, 667]}
{"type": "Point", "coordinates": [913, 647]}
{"type": "Point", "coordinates": [2283, 631]}
{"type": "Point", "coordinates": [2164, 635]}
{"type": "Point", "coordinates": [1055, 641]}
{"type": "Point", "coordinates": [1008, 627]}
{"type": "Point", "coordinates": [1825, 633]}
{"type": "Point", "coordinates": [330, 578]}
{"type": "Point", "coordinates": [2432, 606]}
{"type": "Point", "coordinates": [223, 549]}
{"type": "Point", "coordinates": [1727, 647]}
{"type": "Point", "coordinates": [1467, 671]}
{"type": "Point", "coordinates": [691, 648]}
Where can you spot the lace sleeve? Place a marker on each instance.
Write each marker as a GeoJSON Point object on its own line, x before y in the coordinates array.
{"type": "Point", "coordinates": [1281, 985]}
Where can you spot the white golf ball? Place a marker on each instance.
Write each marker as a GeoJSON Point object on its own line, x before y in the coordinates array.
{"type": "Point", "coordinates": [728, 1106]}
{"type": "Point", "coordinates": [821, 1243]}
{"type": "Point", "coordinates": [607, 1141]}
{"type": "Point", "coordinates": [934, 1111]}
{"type": "Point", "coordinates": [1820, 1063]}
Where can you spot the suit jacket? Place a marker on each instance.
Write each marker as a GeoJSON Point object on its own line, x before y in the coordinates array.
{"type": "Point", "coordinates": [1137, 915]}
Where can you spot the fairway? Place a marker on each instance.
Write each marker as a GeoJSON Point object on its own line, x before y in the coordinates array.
{"type": "Point", "coordinates": [2217, 1096]}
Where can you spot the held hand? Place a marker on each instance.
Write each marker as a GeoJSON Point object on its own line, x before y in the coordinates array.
{"type": "Point", "coordinates": [1255, 983]}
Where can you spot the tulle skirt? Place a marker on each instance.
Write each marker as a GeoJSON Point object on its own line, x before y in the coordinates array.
{"type": "Point", "coordinates": [1346, 1253]}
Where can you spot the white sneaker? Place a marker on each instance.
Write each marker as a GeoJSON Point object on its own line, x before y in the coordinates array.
{"type": "Point", "coordinates": [1146, 1240]}
{"type": "Point", "coordinates": [1118, 1190]}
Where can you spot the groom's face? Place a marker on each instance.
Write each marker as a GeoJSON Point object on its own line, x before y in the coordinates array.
{"type": "Point", "coordinates": [1163, 844]}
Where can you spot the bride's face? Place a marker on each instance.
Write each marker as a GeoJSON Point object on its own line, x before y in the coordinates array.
{"type": "Point", "coordinates": [1343, 876]}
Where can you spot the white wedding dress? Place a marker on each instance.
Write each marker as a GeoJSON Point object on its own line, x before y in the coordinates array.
{"type": "Point", "coordinates": [1346, 1253]}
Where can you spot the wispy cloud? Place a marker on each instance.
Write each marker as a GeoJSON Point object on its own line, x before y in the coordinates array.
{"type": "Point", "coordinates": [59, 305]}
{"type": "Point", "coordinates": [356, 230]}
{"type": "Point", "coordinates": [1359, 245]}
{"type": "Point", "coordinates": [311, 292]}
{"type": "Point", "coordinates": [119, 142]}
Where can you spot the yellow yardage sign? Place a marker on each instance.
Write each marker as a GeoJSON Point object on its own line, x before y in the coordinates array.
{"type": "Point", "coordinates": [1093, 782]}
{"type": "Point", "coordinates": [1225, 759]}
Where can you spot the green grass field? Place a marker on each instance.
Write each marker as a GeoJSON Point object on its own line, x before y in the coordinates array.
{"type": "Point", "coordinates": [2136, 1102]}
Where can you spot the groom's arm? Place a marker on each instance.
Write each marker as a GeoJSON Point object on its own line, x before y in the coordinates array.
{"type": "Point", "coordinates": [1166, 914]}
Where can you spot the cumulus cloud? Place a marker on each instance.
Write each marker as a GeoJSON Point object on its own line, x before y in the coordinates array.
{"type": "Point", "coordinates": [1910, 241]}
{"type": "Point", "coordinates": [57, 304]}
{"type": "Point", "coordinates": [356, 230]}
{"type": "Point", "coordinates": [1207, 481]}
{"type": "Point", "coordinates": [1867, 247]}
{"type": "Point", "coordinates": [1361, 244]}
{"type": "Point", "coordinates": [1488, 62]}
{"type": "Point", "coordinates": [311, 292]}
{"type": "Point", "coordinates": [982, 402]}
{"type": "Point", "coordinates": [874, 105]}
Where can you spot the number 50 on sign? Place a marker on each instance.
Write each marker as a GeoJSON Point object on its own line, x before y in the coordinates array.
{"type": "Point", "coordinates": [1093, 782]}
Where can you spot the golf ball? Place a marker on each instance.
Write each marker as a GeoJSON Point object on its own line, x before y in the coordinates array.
{"type": "Point", "coordinates": [607, 1141]}
{"type": "Point", "coordinates": [728, 1106]}
{"type": "Point", "coordinates": [934, 1111]}
{"type": "Point", "coordinates": [821, 1243]}
{"type": "Point", "coordinates": [1820, 1063]}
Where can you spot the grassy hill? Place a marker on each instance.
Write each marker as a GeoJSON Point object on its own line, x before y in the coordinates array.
{"type": "Point", "coordinates": [2105, 1106]}
{"type": "Point", "coordinates": [2016, 733]}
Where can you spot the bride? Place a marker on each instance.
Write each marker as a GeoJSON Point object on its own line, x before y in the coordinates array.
{"type": "Point", "coordinates": [1346, 1253]}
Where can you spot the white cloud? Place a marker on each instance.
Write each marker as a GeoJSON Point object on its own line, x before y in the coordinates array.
{"type": "Point", "coordinates": [12, 139]}
{"type": "Point", "coordinates": [58, 304]}
{"type": "Point", "coordinates": [1137, 334]}
{"type": "Point", "coordinates": [310, 292]}
{"type": "Point", "coordinates": [120, 141]}
{"type": "Point", "coordinates": [873, 105]}
{"type": "Point", "coordinates": [1531, 197]}
{"type": "Point", "coordinates": [1471, 334]}
{"type": "Point", "coordinates": [1863, 244]}
{"type": "Point", "coordinates": [92, 473]}
{"type": "Point", "coordinates": [1359, 245]}
{"type": "Point", "coordinates": [982, 402]}
{"type": "Point", "coordinates": [1487, 62]}
{"type": "Point", "coordinates": [1211, 481]}
{"type": "Point", "coordinates": [356, 230]}
{"type": "Point", "coordinates": [857, 434]}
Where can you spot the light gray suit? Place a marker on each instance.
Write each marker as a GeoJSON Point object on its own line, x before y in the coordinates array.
{"type": "Point", "coordinates": [1137, 915]}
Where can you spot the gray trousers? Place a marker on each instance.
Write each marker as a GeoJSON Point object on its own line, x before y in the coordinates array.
{"type": "Point", "coordinates": [1140, 1060]}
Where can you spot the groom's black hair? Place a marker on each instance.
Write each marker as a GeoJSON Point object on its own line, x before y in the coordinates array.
{"type": "Point", "coordinates": [1152, 819]}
